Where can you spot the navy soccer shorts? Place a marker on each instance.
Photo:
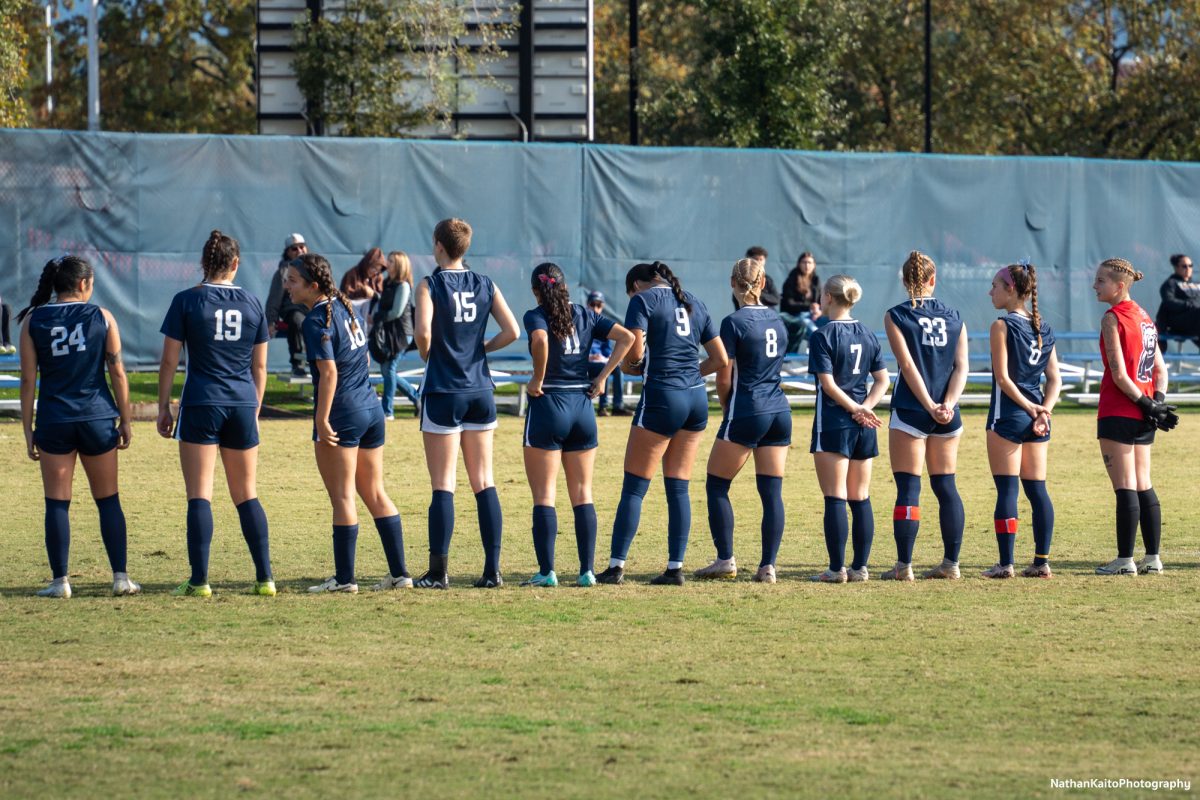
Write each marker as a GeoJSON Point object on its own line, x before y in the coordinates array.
{"type": "Point", "coordinates": [91, 437]}
{"type": "Point", "coordinates": [857, 443]}
{"type": "Point", "coordinates": [561, 421]}
{"type": "Point", "coordinates": [920, 425]}
{"type": "Point", "coordinates": [365, 428]}
{"type": "Point", "coordinates": [1017, 429]}
{"type": "Point", "coordinates": [668, 411]}
{"type": "Point", "coordinates": [761, 430]}
{"type": "Point", "coordinates": [455, 413]}
{"type": "Point", "coordinates": [235, 427]}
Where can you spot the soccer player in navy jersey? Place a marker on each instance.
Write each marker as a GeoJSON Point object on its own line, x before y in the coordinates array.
{"type": "Point", "coordinates": [757, 419]}
{"type": "Point", "coordinates": [348, 425]}
{"type": "Point", "coordinates": [929, 341]}
{"type": "Point", "coordinates": [1018, 423]}
{"type": "Point", "coordinates": [672, 325]}
{"type": "Point", "coordinates": [458, 405]}
{"type": "Point", "coordinates": [842, 354]}
{"type": "Point", "coordinates": [66, 344]}
{"type": "Point", "coordinates": [560, 424]}
{"type": "Point", "coordinates": [225, 332]}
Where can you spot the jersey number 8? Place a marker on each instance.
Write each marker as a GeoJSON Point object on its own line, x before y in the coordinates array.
{"type": "Point", "coordinates": [60, 343]}
{"type": "Point", "coordinates": [229, 325]}
{"type": "Point", "coordinates": [933, 331]}
{"type": "Point", "coordinates": [772, 343]}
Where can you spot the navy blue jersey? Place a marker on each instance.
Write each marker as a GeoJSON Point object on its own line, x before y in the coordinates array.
{"type": "Point", "coordinates": [672, 336]}
{"type": "Point", "coordinates": [69, 338]}
{"type": "Point", "coordinates": [567, 361]}
{"type": "Point", "coordinates": [462, 303]}
{"type": "Point", "coordinates": [755, 339]}
{"type": "Point", "coordinates": [931, 331]}
{"type": "Point", "coordinates": [1026, 365]}
{"type": "Point", "coordinates": [347, 348]}
{"type": "Point", "coordinates": [850, 352]}
{"type": "Point", "coordinates": [219, 326]}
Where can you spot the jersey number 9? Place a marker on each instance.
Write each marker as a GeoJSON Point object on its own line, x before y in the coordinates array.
{"type": "Point", "coordinates": [933, 331]}
{"type": "Point", "coordinates": [464, 307]}
{"type": "Point", "coordinates": [229, 325]}
{"type": "Point", "coordinates": [683, 323]}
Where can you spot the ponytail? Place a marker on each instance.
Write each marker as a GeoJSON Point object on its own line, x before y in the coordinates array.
{"type": "Point", "coordinates": [747, 272]}
{"type": "Point", "coordinates": [1024, 283]}
{"type": "Point", "coordinates": [59, 276]}
{"type": "Point", "coordinates": [218, 256]}
{"type": "Point", "coordinates": [918, 269]}
{"type": "Point", "coordinates": [1122, 267]}
{"type": "Point", "coordinates": [550, 287]}
{"type": "Point", "coordinates": [317, 268]}
{"type": "Point", "coordinates": [648, 272]}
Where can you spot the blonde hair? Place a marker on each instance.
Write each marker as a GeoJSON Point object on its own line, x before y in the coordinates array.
{"type": "Point", "coordinates": [747, 272]}
{"type": "Point", "coordinates": [1119, 266]}
{"type": "Point", "coordinates": [844, 290]}
{"type": "Point", "coordinates": [399, 267]}
{"type": "Point", "coordinates": [918, 269]}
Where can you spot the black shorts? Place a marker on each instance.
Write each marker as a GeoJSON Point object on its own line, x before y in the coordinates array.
{"type": "Point", "coordinates": [1125, 430]}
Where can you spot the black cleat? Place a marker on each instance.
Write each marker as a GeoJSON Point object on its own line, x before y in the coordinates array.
{"type": "Point", "coordinates": [612, 575]}
{"type": "Point", "coordinates": [298, 371]}
{"type": "Point", "coordinates": [436, 577]}
{"type": "Point", "coordinates": [492, 581]}
{"type": "Point", "coordinates": [670, 577]}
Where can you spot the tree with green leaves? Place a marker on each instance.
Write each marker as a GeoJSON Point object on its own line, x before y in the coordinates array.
{"type": "Point", "coordinates": [382, 67]}
{"type": "Point", "coordinates": [14, 59]}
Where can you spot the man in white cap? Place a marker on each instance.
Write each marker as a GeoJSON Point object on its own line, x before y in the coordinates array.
{"type": "Point", "coordinates": [286, 316]}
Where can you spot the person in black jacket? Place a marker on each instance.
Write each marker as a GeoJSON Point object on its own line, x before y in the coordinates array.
{"type": "Point", "coordinates": [800, 301]}
{"type": "Point", "coordinates": [1179, 312]}
{"type": "Point", "coordinates": [282, 314]}
{"type": "Point", "coordinates": [770, 295]}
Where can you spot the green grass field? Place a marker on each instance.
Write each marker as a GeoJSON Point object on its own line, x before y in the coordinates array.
{"type": "Point", "coordinates": [922, 690]}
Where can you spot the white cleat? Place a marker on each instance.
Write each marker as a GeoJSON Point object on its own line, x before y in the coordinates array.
{"type": "Point", "coordinates": [765, 574]}
{"type": "Point", "coordinates": [900, 572]}
{"type": "Point", "coordinates": [57, 588]}
{"type": "Point", "coordinates": [1000, 571]}
{"type": "Point", "coordinates": [830, 576]}
{"type": "Point", "coordinates": [1150, 565]}
{"type": "Point", "coordinates": [122, 585]}
{"type": "Point", "coordinates": [331, 585]}
{"type": "Point", "coordinates": [389, 583]}
{"type": "Point", "coordinates": [720, 569]}
{"type": "Point", "coordinates": [1118, 566]}
{"type": "Point", "coordinates": [857, 575]}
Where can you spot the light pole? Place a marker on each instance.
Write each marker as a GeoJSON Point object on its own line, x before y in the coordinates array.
{"type": "Point", "coordinates": [93, 66]}
{"type": "Point", "coordinates": [928, 76]}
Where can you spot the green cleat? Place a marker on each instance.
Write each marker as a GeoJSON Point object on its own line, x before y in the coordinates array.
{"type": "Point", "coordinates": [264, 588]}
{"type": "Point", "coordinates": [186, 589]}
{"type": "Point", "coordinates": [586, 579]}
{"type": "Point", "coordinates": [549, 579]}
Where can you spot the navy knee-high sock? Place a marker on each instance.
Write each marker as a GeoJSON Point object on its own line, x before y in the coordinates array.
{"type": "Point", "coordinates": [906, 516]}
{"type": "Point", "coordinates": [491, 528]}
{"type": "Point", "coordinates": [837, 530]}
{"type": "Point", "coordinates": [254, 531]}
{"type": "Point", "coordinates": [862, 531]}
{"type": "Point", "coordinates": [770, 494]}
{"type": "Point", "coordinates": [1150, 517]}
{"type": "Point", "coordinates": [1043, 520]}
{"type": "Point", "coordinates": [585, 536]}
{"type": "Point", "coordinates": [1005, 516]}
{"type": "Point", "coordinates": [391, 535]}
{"type": "Point", "coordinates": [58, 536]}
{"type": "Point", "coordinates": [345, 543]}
{"type": "Point", "coordinates": [951, 516]}
{"type": "Point", "coordinates": [545, 529]}
{"type": "Point", "coordinates": [629, 514]}
{"type": "Point", "coordinates": [1128, 512]}
{"type": "Point", "coordinates": [679, 520]}
{"type": "Point", "coordinates": [112, 530]}
{"type": "Point", "coordinates": [720, 515]}
{"type": "Point", "coordinates": [199, 539]}
{"type": "Point", "coordinates": [441, 522]}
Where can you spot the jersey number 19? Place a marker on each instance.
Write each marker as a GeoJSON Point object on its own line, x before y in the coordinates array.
{"type": "Point", "coordinates": [229, 325]}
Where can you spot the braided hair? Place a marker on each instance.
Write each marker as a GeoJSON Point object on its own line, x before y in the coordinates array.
{"type": "Point", "coordinates": [59, 276]}
{"type": "Point", "coordinates": [220, 251]}
{"type": "Point", "coordinates": [315, 269]}
{"type": "Point", "coordinates": [918, 269]}
{"type": "Point", "coordinates": [1120, 266]}
{"type": "Point", "coordinates": [550, 288]}
{"type": "Point", "coordinates": [646, 273]}
{"type": "Point", "coordinates": [747, 272]}
{"type": "Point", "coordinates": [1024, 282]}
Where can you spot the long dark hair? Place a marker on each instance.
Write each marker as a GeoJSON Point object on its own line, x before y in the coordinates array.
{"type": "Point", "coordinates": [60, 275]}
{"type": "Point", "coordinates": [220, 251]}
{"type": "Point", "coordinates": [550, 288]}
{"type": "Point", "coordinates": [315, 269]}
{"type": "Point", "coordinates": [648, 272]}
{"type": "Point", "coordinates": [1024, 277]}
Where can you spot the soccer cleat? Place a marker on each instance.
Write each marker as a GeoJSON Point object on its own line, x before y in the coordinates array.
{"type": "Point", "coordinates": [900, 572]}
{"type": "Point", "coordinates": [1118, 566]}
{"type": "Point", "coordinates": [298, 371]}
{"type": "Point", "coordinates": [549, 579]}
{"type": "Point", "coordinates": [721, 569]}
{"type": "Point", "coordinates": [8, 349]}
{"type": "Point", "coordinates": [947, 571]}
{"type": "Point", "coordinates": [999, 571]}
{"type": "Point", "coordinates": [612, 575]}
{"type": "Point", "coordinates": [1150, 565]}
{"type": "Point", "coordinates": [1037, 571]}
{"type": "Point", "coordinates": [765, 574]}
{"type": "Point", "coordinates": [186, 589]}
{"type": "Point", "coordinates": [586, 579]}
{"type": "Point", "coordinates": [57, 588]}
{"type": "Point", "coordinates": [123, 586]}
{"type": "Point", "coordinates": [436, 577]}
{"type": "Point", "coordinates": [264, 588]}
{"type": "Point", "coordinates": [857, 575]}
{"type": "Point", "coordinates": [388, 583]}
{"type": "Point", "coordinates": [602, 411]}
{"type": "Point", "coordinates": [486, 581]}
{"type": "Point", "coordinates": [670, 577]}
{"type": "Point", "coordinates": [830, 576]}
{"type": "Point", "coordinates": [331, 584]}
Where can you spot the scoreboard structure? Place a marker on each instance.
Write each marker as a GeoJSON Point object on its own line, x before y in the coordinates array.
{"type": "Point", "coordinates": [540, 89]}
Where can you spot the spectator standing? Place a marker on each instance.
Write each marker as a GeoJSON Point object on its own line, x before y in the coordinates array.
{"type": "Point", "coordinates": [393, 307]}
{"type": "Point", "coordinates": [1179, 312]}
{"type": "Point", "coordinates": [6, 346]}
{"type": "Point", "coordinates": [283, 314]}
{"type": "Point", "coordinates": [364, 280]}
{"type": "Point", "coordinates": [597, 357]}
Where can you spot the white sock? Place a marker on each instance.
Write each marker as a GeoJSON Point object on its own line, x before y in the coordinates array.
{"type": "Point", "coordinates": [616, 562]}
{"type": "Point", "coordinates": [674, 565]}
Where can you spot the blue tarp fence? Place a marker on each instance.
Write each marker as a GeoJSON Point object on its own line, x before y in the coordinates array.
{"type": "Point", "coordinates": [140, 207]}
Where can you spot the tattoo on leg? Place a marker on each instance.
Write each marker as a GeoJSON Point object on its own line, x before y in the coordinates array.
{"type": "Point", "coordinates": [1107, 461]}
